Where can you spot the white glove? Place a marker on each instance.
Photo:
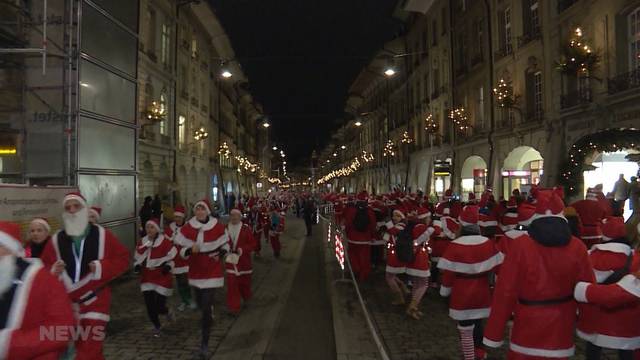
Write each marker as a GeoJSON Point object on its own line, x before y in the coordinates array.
{"type": "Point", "coordinates": [232, 259]}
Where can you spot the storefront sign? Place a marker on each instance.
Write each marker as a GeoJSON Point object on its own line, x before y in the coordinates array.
{"type": "Point", "coordinates": [516, 173]}
{"type": "Point", "coordinates": [259, 185]}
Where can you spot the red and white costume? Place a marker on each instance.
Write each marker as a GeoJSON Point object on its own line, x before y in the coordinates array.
{"type": "Point", "coordinates": [421, 265]}
{"type": "Point", "coordinates": [205, 267]}
{"type": "Point", "coordinates": [525, 216]}
{"type": "Point", "coordinates": [89, 291]}
{"type": "Point", "coordinates": [536, 286]}
{"type": "Point", "coordinates": [180, 264]}
{"type": "Point", "coordinates": [274, 233]}
{"type": "Point", "coordinates": [606, 327]}
{"type": "Point", "coordinates": [152, 256]}
{"type": "Point", "coordinates": [238, 265]}
{"type": "Point", "coordinates": [33, 305]}
{"type": "Point", "coordinates": [394, 266]}
{"type": "Point", "coordinates": [591, 214]}
{"type": "Point", "coordinates": [360, 241]}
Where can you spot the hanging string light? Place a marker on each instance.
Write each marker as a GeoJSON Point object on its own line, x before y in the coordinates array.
{"type": "Point", "coordinates": [224, 150]}
{"type": "Point", "coordinates": [367, 157]}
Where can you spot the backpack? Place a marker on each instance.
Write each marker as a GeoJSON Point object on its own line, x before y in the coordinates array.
{"type": "Point", "coordinates": [404, 244]}
{"type": "Point", "coordinates": [361, 219]}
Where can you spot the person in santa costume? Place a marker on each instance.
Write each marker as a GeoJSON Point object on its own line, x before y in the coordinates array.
{"type": "Point", "coordinates": [378, 243]}
{"type": "Point", "coordinates": [238, 261]}
{"type": "Point", "coordinates": [612, 328]}
{"type": "Point", "coordinates": [256, 225]}
{"type": "Point", "coordinates": [360, 226]}
{"type": "Point", "coordinates": [204, 242]}
{"type": "Point", "coordinates": [181, 265]}
{"type": "Point", "coordinates": [467, 266]}
{"type": "Point", "coordinates": [394, 266]}
{"type": "Point", "coordinates": [419, 268]}
{"type": "Point", "coordinates": [525, 213]}
{"type": "Point", "coordinates": [154, 260]}
{"type": "Point", "coordinates": [95, 212]}
{"type": "Point", "coordinates": [536, 285]}
{"type": "Point", "coordinates": [276, 228]}
{"type": "Point", "coordinates": [33, 303]}
{"type": "Point", "coordinates": [39, 230]}
{"type": "Point", "coordinates": [591, 214]}
{"type": "Point", "coordinates": [86, 257]}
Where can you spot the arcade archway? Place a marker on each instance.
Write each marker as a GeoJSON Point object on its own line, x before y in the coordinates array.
{"type": "Point", "coordinates": [473, 176]}
{"type": "Point", "coordinates": [522, 168]}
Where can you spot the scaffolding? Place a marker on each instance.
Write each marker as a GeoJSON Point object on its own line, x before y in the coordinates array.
{"type": "Point", "coordinates": [38, 89]}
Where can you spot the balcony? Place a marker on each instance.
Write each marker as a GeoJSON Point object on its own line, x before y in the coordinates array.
{"type": "Point", "coordinates": [527, 38]}
{"type": "Point", "coordinates": [624, 82]}
{"type": "Point", "coordinates": [575, 98]}
{"type": "Point", "coordinates": [565, 4]}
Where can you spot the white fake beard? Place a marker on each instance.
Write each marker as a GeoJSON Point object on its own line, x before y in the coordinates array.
{"type": "Point", "coordinates": [75, 224]}
{"type": "Point", "coordinates": [7, 271]}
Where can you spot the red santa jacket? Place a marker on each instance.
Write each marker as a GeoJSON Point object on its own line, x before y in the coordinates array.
{"type": "Point", "coordinates": [89, 289]}
{"type": "Point", "coordinates": [607, 327]}
{"type": "Point", "coordinates": [534, 273]}
{"type": "Point", "coordinates": [394, 266]}
{"type": "Point", "coordinates": [466, 265]}
{"type": "Point", "coordinates": [245, 242]}
{"type": "Point", "coordinates": [591, 214]}
{"type": "Point", "coordinates": [38, 308]}
{"type": "Point", "coordinates": [505, 241]}
{"type": "Point", "coordinates": [622, 299]}
{"type": "Point", "coordinates": [205, 266]}
{"type": "Point", "coordinates": [180, 264]}
{"type": "Point", "coordinates": [354, 235]}
{"type": "Point", "coordinates": [420, 265]}
{"type": "Point", "coordinates": [152, 255]}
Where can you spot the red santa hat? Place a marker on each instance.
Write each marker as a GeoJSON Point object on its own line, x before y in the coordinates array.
{"type": "Point", "coordinates": [96, 211]}
{"type": "Point", "coordinates": [155, 223]}
{"type": "Point", "coordinates": [10, 237]}
{"type": "Point", "coordinates": [548, 204]}
{"type": "Point", "coordinates": [205, 204]}
{"type": "Point", "coordinates": [613, 228]}
{"type": "Point", "coordinates": [525, 214]}
{"type": "Point", "coordinates": [592, 194]}
{"type": "Point", "coordinates": [423, 213]}
{"type": "Point", "coordinates": [75, 195]}
{"type": "Point", "coordinates": [362, 196]}
{"type": "Point", "coordinates": [450, 227]}
{"type": "Point", "coordinates": [42, 222]}
{"type": "Point", "coordinates": [472, 198]}
{"type": "Point", "coordinates": [236, 211]}
{"type": "Point", "coordinates": [469, 215]}
{"type": "Point", "coordinates": [179, 211]}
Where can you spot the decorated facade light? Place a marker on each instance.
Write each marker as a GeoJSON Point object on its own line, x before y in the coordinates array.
{"type": "Point", "coordinates": [200, 134]}
{"type": "Point", "coordinates": [224, 151]}
{"type": "Point", "coordinates": [389, 149]}
{"type": "Point", "coordinates": [431, 125]}
{"type": "Point", "coordinates": [504, 95]}
{"type": "Point", "coordinates": [156, 111]}
{"type": "Point", "coordinates": [366, 156]}
{"type": "Point", "coordinates": [577, 56]}
{"type": "Point", "coordinates": [406, 138]}
{"type": "Point", "coordinates": [460, 119]}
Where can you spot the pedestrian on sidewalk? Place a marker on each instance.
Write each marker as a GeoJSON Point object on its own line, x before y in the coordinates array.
{"type": "Point", "coordinates": [153, 259]}
{"type": "Point", "coordinates": [204, 241]}
{"type": "Point", "coordinates": [360, 226]}
{"type": "Point", "coordinates": [535, 286]}
{"type": "Point", "coordinates": [238, 262]}
{"type": "Point", "coordinates": [308, 212]}
{"type": "Point", "coordinates": [181, 265]}
{"type": "Point", "coordinates": [276, 228]}
{"type": "Point", "coordinates": [467, 266]}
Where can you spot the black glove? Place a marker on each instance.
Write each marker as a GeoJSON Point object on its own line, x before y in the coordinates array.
{"type": "Point", "coordinates": [166, 269]}
{"type": "Point", "coordinates": [136, 269]}
{"type": "Point", "coordinates": [188, 252]}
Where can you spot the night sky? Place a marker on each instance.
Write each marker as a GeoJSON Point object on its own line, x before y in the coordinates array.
{"type": "Point", "coordinates": [301, 56]}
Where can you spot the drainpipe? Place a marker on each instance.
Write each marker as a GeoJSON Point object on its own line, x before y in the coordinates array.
{"type": "Point", "coordinates": [489, 180]}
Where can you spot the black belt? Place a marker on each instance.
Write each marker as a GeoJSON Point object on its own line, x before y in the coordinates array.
{"type": "Point", "coordinates": [472, 276]}
{"type": "Point", "coordinates": [546, 302]}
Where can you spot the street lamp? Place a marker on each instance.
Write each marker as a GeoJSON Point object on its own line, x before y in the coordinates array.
{"type": "Point", "coordinates": [274, 148]}
{"type": "Point", "coordinates": [265, 122]}
{"type": "Point", "coordinates": [358, 123]}
{"type": "Point", "coordinates": [389, 71]}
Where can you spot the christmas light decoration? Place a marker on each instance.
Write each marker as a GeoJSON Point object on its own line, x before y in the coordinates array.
{"type": "Point", "coordinates": [460, 119]}
{"type": "Point", "coordinates": [578, 57]}
{"type": "Point", "coordinates": [504, 94]}
{"type": "Point", "coordinates": [431, 125]}
{"type": "Point", "coordinates": [389, 149]}
{"type": "Point", "coordinates": [156, 111]}
{"type": "Point", "coordinates": [224, 150]}
{"type": "Point", "coordinates": [406, 139]}
{"type": "Point", "coordinates": [200, 134]}
{"type": "Point", "coordinates": [367, 157]}
{"type": "Point", "coordinates": [610, 140]}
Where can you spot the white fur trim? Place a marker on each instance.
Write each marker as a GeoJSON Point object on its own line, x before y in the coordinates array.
{"type": "Point", "coordinates": [514, 234]}
{"type": "Point", "coordinates": [42, 222]}
{"type": "Point", "coordinates": [612, 247]}
{"type": "Point", "coordinates": [560, 353]}
{"type": "Point", "coordinates": [611, 342]}
{"type": "Point", "coordinates": [157, 288]}
{"type": "Point", "coordinates": [180, 270]}
{"type": "Point", "coordinates": [487, 223]}
{"type": "Point", "coordinates": [445, 291]}
{"type": "Point", "coordinates": [152, 223]}
{"type": "Point", "coordinates": [11, 243]}
{"type": "Point", "coordinates": [602, 275]}
{"type": "Point", "coordinates": [239, 273]}
{"type": "Point", "coordinates": [580, 292]}
{"type": "Point", "coordinates": [630, 284]}
{"type": "Point", "coordinates": [356, 242]}
{"type": "Point", "coordinates": [97, 275]}
{"type": "Point", "coordinates": [471, 240]}
{"type": "Point", "coordinates": [74, 197]}
{"type": "Point", "coordinates": [154, 263]}
{"type": "Point", "coordinates": [395, 270]}
{"type": "Point", "coordinates": [492, 344]}
{"type": "Point", "coordinates": [475, 268]}
{"type": "Point", "coordinates": [207, 283]}
{"type": "Point", "coordinates": [418, 273]}
{"type": "Point", "coordinates": [469, 314]}
{"type": "Point", "coordinates": [95, 316]}
{"type": "Point", "coordinates": [203, 204]}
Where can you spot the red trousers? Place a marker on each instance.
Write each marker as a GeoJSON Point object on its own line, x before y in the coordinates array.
{"type": "Point", "coordinates": [90, 348]}
{"type": "Point", "coordinates": [238, 289]}
{"type": "Point", "coordinates": [275, 244]}
{"type": "Point", "coordinates": [360, 258]}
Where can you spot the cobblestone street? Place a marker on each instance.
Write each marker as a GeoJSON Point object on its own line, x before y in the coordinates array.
{"type": "Point", "coordinates": [435, 337]}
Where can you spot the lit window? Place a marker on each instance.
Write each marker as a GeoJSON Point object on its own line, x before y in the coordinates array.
{"type": "Point", "coordinates": [182, 130]}
{"type": "Point", "coordinates": [165, 44]}
{"type": "Point", "coordinates": [163, 108]}
{"type": "Point", "coordinates": [634, 40]}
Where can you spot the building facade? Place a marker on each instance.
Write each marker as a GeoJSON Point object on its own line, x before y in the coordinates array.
{"type": "Point", "coordinates": [502, 99]}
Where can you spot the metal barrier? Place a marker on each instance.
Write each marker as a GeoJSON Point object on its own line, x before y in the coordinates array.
{"type": "Point", "coordinates": [336, 239]}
